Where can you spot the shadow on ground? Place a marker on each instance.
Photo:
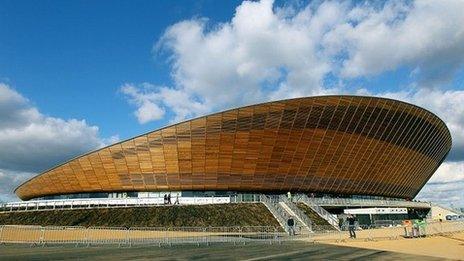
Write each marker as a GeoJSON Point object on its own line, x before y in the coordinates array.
{"type": "Point", "coordinates": [255, 251]}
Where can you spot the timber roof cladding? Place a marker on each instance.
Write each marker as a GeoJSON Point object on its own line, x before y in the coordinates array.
{"type": "Point", "coordinates": [333, 144]}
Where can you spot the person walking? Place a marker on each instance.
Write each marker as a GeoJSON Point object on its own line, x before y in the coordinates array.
{"type": "Point", "coordinates": [351, 219]}
{"type": "Point", "coordinates": [169, 199]}
{"type": "Point", "coordinates": [291, 226]}
{"type": "Point", "coordinates": [165, 199]}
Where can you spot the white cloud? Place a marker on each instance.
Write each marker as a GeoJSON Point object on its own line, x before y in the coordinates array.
{"type": "Point", "coordinates": [447, 194]}
{"type": "Point", "coordinates": [425, 35]}
{"type": "Point", "coordinates": [31, 142]}
{"type": "Point", "coordinates": [149, 111]}
{"type": "Point", "coordinates": [446, 185]}
{"type": "Point", "coordinates": [146, 102]}
{"type": "Point", "coordinates": [443, 173]}
{"type": "Point", "coordinates": [266, 53]}
{"type": "Point", "coordinates": [259, 55]}
{"type": "Point", "coordinates": [152, 100]}
{"type": "Point", "coordinates": [10, 180]}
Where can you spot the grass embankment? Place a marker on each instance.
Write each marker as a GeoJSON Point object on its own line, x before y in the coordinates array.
{"type": "Point", "coordinates": [163, 216]}
{"type": "Point", "coordinates": [318, 222]}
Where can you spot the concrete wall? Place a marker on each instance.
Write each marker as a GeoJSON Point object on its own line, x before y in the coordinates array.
{"type": "Point", "coordinates": [441, 212]}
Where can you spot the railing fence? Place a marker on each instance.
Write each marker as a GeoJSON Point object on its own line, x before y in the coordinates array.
{"type": "Point", "coordinates": [37, 235]}
{"type": "Point", "coordinates": [319, 210]}
{"type": "Point", "coordinates": [374, 233]}
{"type": "Point", "coordinates": [162, 236]}
{"type": "Point", "coordinates": [82, 203]}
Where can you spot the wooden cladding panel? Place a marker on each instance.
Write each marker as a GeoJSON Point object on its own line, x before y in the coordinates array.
{"type": "Point", "coordinates": [333, 144]}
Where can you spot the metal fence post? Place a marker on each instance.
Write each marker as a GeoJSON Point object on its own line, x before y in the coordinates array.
{"type": "Point", "coordinates": [276, 235]}
{"type": "Point", "coordinates": [369, 234]}
{"type": "Point", "coordinates": [205, 236]}
{"type": "Point", "coordinates": [269, 235]}
{"type": "Point", "coordinates": [127, 239]}
{"type": "Point", "coordinates": [42, 235]}
{"type": "Point", "coordinates": [86, 237]}
{"type": "Point", "coordinates": [190, 235]}
{"type": "Point", "coordinates": [240, 236]}
{"type": "Point", "coordinates": [159, 239]}
{"type": "Point", "coordinates": [1, 234]}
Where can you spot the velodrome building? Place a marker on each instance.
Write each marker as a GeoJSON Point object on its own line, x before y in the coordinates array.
{"type": "Point", "coordinates": [341, 146]}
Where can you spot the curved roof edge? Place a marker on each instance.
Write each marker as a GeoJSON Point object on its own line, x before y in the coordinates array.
{"type": "Point", "coordinates": [231, 109]}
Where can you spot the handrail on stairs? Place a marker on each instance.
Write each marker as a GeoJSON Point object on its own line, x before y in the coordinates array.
{"type": "Point", "coordinates": [319, 210]}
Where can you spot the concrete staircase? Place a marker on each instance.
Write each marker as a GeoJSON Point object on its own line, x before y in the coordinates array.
{"type": "Point", "coordinates": [283, 209]}
{"type": "Point", "coordinates": [294, 211]}
{"type": "Point", "coordinates": [276, 210]}
{"type": "Point", "coordinates": [331, 219]}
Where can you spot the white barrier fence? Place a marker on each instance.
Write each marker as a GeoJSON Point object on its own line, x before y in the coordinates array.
{"type": "Point", "coordinates": [374, 233]}
{"type": "Point", "coordinates": [37, 235]}
{"type": "Point", "coordinates": [34, 205]}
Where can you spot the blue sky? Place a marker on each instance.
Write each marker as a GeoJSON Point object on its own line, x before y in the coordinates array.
{"type": "Point", "coordinates": [69, 58]}
{"type": "Point", "coordinates": [83, 74]}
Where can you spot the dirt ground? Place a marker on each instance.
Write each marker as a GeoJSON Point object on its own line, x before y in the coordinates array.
{"type": "Point", "coordinates": [381, 233]}
{"type": "Point", "coordinates": [449, 246]}
{"type": "Point", "coordinates": [286, 251]}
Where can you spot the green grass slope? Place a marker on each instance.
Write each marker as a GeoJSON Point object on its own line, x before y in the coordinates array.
{"type": "Point", "coordinates": [246, 214]}
{"type": "Point", "coordinates": [318, 222]}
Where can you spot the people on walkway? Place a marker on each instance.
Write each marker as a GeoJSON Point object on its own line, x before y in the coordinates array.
{"type": "Point", "coordinates": [351, 219]}
{"type": "Point", "coordinates": [169, 199]}
{"type": "Point", "coordinates": [165, 199]}
{"type": "Point", "coordinates": [291, 226]}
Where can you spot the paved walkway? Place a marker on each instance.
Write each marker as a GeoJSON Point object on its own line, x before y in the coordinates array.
{"type": "Point", "coordinates": [286, 251]}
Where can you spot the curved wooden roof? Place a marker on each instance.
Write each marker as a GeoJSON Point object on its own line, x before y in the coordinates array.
{"type": "Point", "coordinates": [334, 144]}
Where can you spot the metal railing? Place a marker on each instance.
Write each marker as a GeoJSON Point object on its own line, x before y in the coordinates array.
{"type": "Point", "coordinates": [38, 235]}
{"type": "Point", "coordinates": [373, 233]}
{"type": "Point", "coordinates": [245, 198]}
{"type": "Point", "coordinates": [319, 210]}
{"type": "Point", "coordinates": [273, 204]}
{"type": "Point", "coordinates": [276, 210]}
{"type": "Point", "coordinates": [163, 236]}
{"type": "Point", "coordinates": [298, 212]}
{"type": "Point", "coordinates": [354, 202]}
{"type": "Point", "coordinates": [87, 203]}
{"type": "Point", "coordinates": [34, 205]}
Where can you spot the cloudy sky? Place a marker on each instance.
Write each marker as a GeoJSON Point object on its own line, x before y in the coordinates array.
{"type": "Point", "coordinates": [75, 76]}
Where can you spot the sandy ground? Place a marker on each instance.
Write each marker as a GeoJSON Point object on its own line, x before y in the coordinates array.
{"type": "Point", "coordinates": [381, 233]}
{"type": "Point", "coordinates": [449, 246]}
